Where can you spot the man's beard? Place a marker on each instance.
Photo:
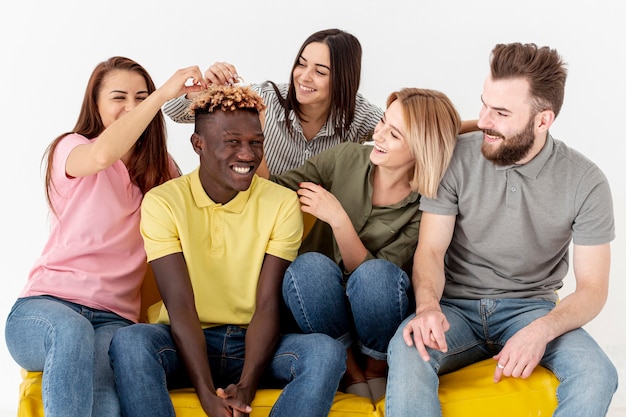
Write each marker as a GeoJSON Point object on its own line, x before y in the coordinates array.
{"type": "Point", "coordinates": [511, 149]}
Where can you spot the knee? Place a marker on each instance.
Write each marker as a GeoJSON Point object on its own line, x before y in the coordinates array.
{"type": "Point", "coordinates": [325, 353]}
{"type": "Point", "coordinates": [309, 261]}
{"type": "Point", "coordinates": [72, 336]}
{"type": "Point", "coordinates": [610, 375]}
{"type": "Point", "coordinates": [300, 266]}
{"type": "Point", "coordinates": [130, 345]}
{"type": "Point", "coordinates": [603, 371]}
{"type": "Point", "coordinates": [297, 279]}
{"type": "Point", "coordinates": [399, 353]}
{"type": "Point", "coordinates": [381, 275]}
{"type": "Point", "coordinates": [379, 282]}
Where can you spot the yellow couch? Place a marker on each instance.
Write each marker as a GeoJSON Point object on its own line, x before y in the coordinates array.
{"type": "Point", "coordinates": [468, 392]}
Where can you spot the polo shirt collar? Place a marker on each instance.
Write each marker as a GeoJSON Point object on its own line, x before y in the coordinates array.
{"type": "Point", "coordinates": [236, 205]}
{"type": "Point", "coordinates": [532, 168]}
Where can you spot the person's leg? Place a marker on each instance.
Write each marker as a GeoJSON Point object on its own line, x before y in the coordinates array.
{"type": "Point", "coordinates": [314, 293]}
{"type": "Point", "coordinates": [379, 300]}
{"type": "Point", "coordinates": [412, 385]}
{"type": "Point", "coordinates": [377, 291]}
{"type": "Point", "coordinates": [583, 369]}
{"type": "Point", "coordinates": [50, 335]}
{"type": "Point", "coordinates": [105, 400]}
{"type": "Point", "coordinates": [308, 368]}
{"type": "Point", "coordinates": [588, 378]}
{"type": "Point", "coordinates": [144, 360]}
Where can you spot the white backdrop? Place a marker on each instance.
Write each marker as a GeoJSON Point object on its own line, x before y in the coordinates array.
{"type": "Point", "coordinates": [49, 48]}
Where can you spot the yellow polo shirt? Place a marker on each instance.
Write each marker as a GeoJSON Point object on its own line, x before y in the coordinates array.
{"type": "Point", "coordinates": [223, 244]}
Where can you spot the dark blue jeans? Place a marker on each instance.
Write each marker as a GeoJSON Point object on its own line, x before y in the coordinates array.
{"type": "Point", "coordinates": [146, 364]}
{"type": "Point", "coordinates": [366, 309]}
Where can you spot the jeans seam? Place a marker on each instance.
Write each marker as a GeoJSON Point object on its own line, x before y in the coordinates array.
{"type": "Point", "coordinates": [293, 355]}
{"type": "Point", "coordinates": [300, 303]}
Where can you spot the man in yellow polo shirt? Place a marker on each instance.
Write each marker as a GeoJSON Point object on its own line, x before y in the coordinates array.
{"type": "Point", "coordinates": [219, 241]}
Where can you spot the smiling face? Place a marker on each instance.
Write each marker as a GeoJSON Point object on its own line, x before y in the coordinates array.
{"type": "Point", "coordinates": [510, 126]}
{"type": "Point", "coordinates": [120, 92]}
{"type": "Point", "coordinates": [230, 145]}
{"type": "Point", "coordinates": [391, 149]}
{"type": "Point", "coordinates": [311, 75]}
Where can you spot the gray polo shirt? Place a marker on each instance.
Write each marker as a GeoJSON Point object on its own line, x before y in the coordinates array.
{"type": "Point", "coordinates": [514, 224]}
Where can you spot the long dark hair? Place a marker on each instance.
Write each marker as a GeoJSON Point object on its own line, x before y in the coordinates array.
{"type": "Point", "coordinates": [345, 77]}
{"type": "Point", "coordinates": [149, 163]}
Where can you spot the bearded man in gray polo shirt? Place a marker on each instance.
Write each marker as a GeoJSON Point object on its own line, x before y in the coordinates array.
{"type": "Point", "coordinates": [494, 248]}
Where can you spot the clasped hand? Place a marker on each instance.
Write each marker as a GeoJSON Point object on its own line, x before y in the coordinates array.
{"type": "Point", "coordinates": [229, 402]}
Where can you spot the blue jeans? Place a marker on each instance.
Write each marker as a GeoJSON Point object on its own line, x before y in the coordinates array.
{"type": "Point", "coordinates": [146, 364]}
{"type": "Point", "coordinates": [70, 344]}
{"type": "Point", "coordinates": [478, 330]}
{"type": "Point", "coordinates": [368, 307]}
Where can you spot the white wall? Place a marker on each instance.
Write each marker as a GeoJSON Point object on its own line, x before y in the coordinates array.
{"type": "Point", "coordinates": [48, 49]}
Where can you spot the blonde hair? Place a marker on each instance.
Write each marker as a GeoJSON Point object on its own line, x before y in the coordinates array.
{"type": "Point", "coordinates": [431, 127]}
{"type": "Point", "coordinates": [226, 98]}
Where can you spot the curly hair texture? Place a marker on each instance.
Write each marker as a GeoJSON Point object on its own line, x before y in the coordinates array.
{"type": "Point", "coordinates": [226, 98]}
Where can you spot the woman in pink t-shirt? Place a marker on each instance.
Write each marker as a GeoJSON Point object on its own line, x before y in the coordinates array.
{"type": "Point", "coordinates": [85, 285]}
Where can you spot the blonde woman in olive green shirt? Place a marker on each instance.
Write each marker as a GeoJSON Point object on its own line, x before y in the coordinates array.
{"type": "Point", "coordinates": [349, 280]}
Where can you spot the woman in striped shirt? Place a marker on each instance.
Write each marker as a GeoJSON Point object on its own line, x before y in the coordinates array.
{"type": "Point", "coordinates": [319, 107]}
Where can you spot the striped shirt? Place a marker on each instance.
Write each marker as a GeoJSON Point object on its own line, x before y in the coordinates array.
{"type": "Point", "coordinates": [285, 150]}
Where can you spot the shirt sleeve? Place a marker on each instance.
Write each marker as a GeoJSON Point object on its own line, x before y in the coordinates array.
{"type": "Point", "coordinates": [447, 202]}
{"type": "Point", "coordinates": [366, 117]}
{"type": "Point", "coordinates": [288, 228]}
{"type": "Point", "coordinates": [158, 228]}
{"type": "Point", "coordinates": [177, 109]}
{"type": "Point", "coordinates": [594, 223]}
{"type": "Point", "coordinates": [318, 169]}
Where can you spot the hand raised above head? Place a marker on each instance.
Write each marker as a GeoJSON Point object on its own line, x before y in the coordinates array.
{"type": "Point", "coordinates": [183, 81]}
{"type": "Point", "coordinates": [222, 73]}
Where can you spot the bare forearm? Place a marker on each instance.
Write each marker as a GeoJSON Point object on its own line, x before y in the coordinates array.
{"type": "Point", "coordinates": [191, 345]}
{"type": "Point", "coordinates": [352, 250]}
{"type": "Point", "coordinates": [591, 271]}
{"type": "Point", "coordinates": [121, 135]}
{"type": "Point", "coordinates": [574, 311]}
{"type": "Point", "coordinates": [428, 280]}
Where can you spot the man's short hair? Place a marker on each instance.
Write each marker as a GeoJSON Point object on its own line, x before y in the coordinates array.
{"type": "Point", "coordinates": [542, 67]}
{"type": "Point", "coordinates": [226, 98]}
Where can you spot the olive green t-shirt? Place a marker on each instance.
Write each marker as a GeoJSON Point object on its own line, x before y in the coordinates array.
{"type": "Point", "coordinates": [388, 232]}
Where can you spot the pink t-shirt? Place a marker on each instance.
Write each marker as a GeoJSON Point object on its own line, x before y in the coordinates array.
{"type": "Point", "coordinates": [94, 255]}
